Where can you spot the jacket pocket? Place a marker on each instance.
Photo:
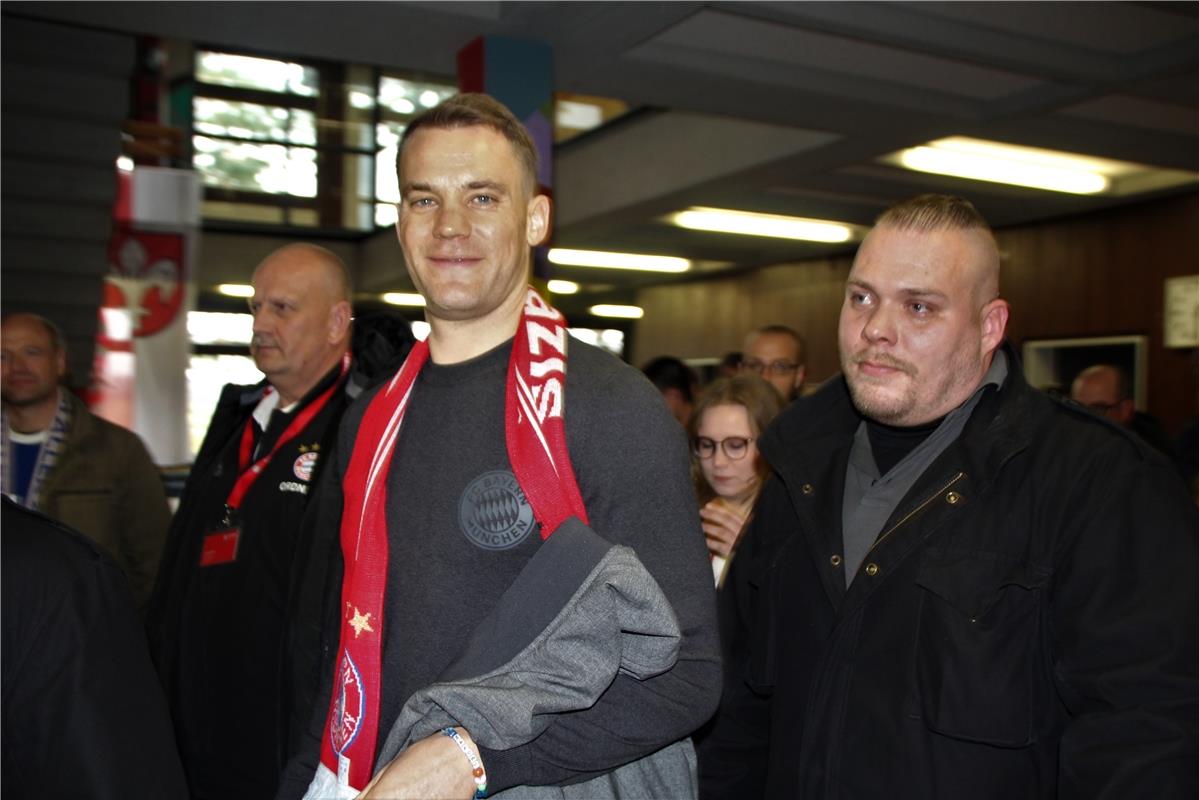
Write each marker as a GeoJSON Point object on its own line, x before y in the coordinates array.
{"type": "Point", "coordinates": [978, 646]}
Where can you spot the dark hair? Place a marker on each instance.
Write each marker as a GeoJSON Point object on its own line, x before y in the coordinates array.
{"type": "Point", "coordinates": [759, 398]}
{"type": "Point", "coordinates": [470, 109]}
{"type": "Point", "coordinates": [668, 372]}
{"type": "Point", "coordinates": [783, 330]}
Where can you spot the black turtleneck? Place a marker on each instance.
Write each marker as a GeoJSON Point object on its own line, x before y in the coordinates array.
{"type": "Point", "coordinates": [890, 443]}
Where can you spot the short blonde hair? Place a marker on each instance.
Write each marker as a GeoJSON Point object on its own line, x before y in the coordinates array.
{"type": "Point", "coordinates": [933, 212]}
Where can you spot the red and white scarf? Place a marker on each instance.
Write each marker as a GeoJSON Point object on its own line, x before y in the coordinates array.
{"type": "Point", "coordinates": [536, 442]}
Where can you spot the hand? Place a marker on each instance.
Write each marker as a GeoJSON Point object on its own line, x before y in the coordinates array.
{"type": "Point", "coordinates": [434, 767]}
{"type": "Point", "coordinates": [722, 526]}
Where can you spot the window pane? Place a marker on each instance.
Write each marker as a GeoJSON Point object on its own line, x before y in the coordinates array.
{"type": "Point", "coordinates": [248, 72]}
{"type": "Point", "coordinates": [387, 186]}
{"type": "Point", "coordinates": [254, 121]}
{"type": "Point", "coordinates": [398, 96]}
{"type": "Point", "coordinates": [269, 168]}
{"type": "Point", "coordinates": [385, 215]}
{"type": "Point", "coordinates": [359, 89]}
{"type": "Point", "coordinates": [206, 376]}
{"type": "Point", "coordinates": [219, 327]}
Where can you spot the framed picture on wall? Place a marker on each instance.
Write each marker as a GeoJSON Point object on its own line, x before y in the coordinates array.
{"type": "Point", "coordinates": [1052, 364]}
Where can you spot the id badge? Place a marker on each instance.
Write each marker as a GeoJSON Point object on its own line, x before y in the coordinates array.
{"type": "Point", "coordinates": [220, 547]}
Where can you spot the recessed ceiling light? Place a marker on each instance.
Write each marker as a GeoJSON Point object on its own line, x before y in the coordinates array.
{"type": "Point", "coordinates": [996, 162]}
{"type": "Point", "coordinates": [236, 289]}
{"type": "Point", "coordinates": [599, 258]}
{"type": "Point", "coordinates": [748, 223]}
{"type": "Point", "coordinates": [403, 299]}
{"type": "Point", "coordinates": [618, 311]}
{"type": "Point", "coordinates": [562, 287]}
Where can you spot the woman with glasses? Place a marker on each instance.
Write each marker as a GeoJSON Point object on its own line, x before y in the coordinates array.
{"type": "Point", "coordinates": [728, 417]}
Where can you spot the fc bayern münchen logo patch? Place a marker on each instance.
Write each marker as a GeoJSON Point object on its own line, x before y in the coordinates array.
{"type": "Point", "coordinates": [304, 466]}
{"type": "Point", "coordinates": [351, 702]}
{"type": "Point", "coordinates": [494, 513]}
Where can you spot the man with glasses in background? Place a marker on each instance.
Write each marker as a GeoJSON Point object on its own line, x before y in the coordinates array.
{"type": "Point", "coordinates": [1104, 389]}
{"type": "Point", "coordinates": [776, 352]}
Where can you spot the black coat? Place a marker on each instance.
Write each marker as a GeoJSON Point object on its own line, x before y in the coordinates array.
{"type": "Point", "coordinates": [83, 714]}
{"type": "Point", "coordinates": [237, 644]}
{"type": "Point", "coordinates": [1025, 626]}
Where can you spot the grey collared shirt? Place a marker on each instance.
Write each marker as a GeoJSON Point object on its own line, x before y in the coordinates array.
{"type": "Point", "coordinates": [870, 498]}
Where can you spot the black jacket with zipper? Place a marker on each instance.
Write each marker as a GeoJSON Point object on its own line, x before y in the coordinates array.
{"type": "Point", "coordinates": [1025, 626]}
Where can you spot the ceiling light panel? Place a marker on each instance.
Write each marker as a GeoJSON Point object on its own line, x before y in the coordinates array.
{"type": "Point", "coordinates": [747, 223]}
{"type": "Point", "coordinates": [606, 260]}
{"type": "Point", "coordinates": [403, 299]}
{"type": "Point", "coordinates": [1034, 168]}
{"type": "Point", "coordinates": [617, 311]}
{"type": "Point", "coordinates": [236, 289]}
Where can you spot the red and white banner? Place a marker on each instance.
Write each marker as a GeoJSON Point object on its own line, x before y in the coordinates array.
{"type": "Point", "coordinates": [140, 375]}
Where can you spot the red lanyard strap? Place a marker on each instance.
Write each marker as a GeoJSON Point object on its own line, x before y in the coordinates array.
{"type": "Point", "coordinates": [248, 473]}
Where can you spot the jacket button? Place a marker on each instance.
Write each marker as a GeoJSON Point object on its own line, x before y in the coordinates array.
{"type": "Point", "coordinates": [835, 560]}
{"type": "Point", "coordinates": [953, 498]}
{"type": "Point", "coordinates": [807, 488]}
{"type": "Point", "coordinates": [872, 570]}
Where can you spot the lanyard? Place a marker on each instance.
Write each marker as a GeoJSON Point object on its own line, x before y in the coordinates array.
{"type": "Point", "coordinates": [248, 473]}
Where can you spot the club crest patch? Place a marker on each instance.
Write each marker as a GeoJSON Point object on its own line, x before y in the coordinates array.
{"type": "Point", "coordinates": [304, 465]}
{"type": "Point", "coordinates": [494, 513]}
{"type": "Point", "coordinates": [351, 703]}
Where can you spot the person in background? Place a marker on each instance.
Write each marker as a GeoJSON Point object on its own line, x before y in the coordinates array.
{"type": "Point", "coordinates": [730, 364]}
{"type": "Point", "coordinates": [777, 353]}
{"type": "Point", "coordinates": [241, 568]}
{"type": "Point", "coordinates": [953, 584]}
{"type": "Point", "coordinates": [83, 716]}
{"type": "Point", "coordinates": [676, 381]}
{"type": "Point", "coordinates": [729, 416]}
{"type": "Point", "coordinates": [1104, 389]}
{"type": "Point", "coordinates": [71, 465]}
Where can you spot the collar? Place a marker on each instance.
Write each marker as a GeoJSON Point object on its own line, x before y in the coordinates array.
{"type": "Point", "coordinates": [268, 403]}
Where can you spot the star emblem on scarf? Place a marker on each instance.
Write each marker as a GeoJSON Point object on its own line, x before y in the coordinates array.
{"type": "Point", "coordinates": [361, 622]}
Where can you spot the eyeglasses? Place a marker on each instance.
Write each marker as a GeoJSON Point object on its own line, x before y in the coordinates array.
{"type": "Point", "coordinates": [735, 447]}
{"type": "Point", "coordinates": [773, 367]}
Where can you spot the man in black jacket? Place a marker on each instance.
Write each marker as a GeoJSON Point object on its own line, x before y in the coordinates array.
{"type": "Point", "coordinates": [241, 572]}
{"type": "Point", "coordinates": [957, 586]}
{"type": "Point", "coordinates": [83, 715]}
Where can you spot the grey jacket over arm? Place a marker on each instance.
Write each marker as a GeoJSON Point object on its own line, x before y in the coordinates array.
{"type": "Point", "coordinates": [580, 613]}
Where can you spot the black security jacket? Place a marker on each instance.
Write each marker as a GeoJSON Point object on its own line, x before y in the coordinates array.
{"type": "Point", "coordinates": [1024, 627]}
{"type": "Point", "coordinates": [221, 636]}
